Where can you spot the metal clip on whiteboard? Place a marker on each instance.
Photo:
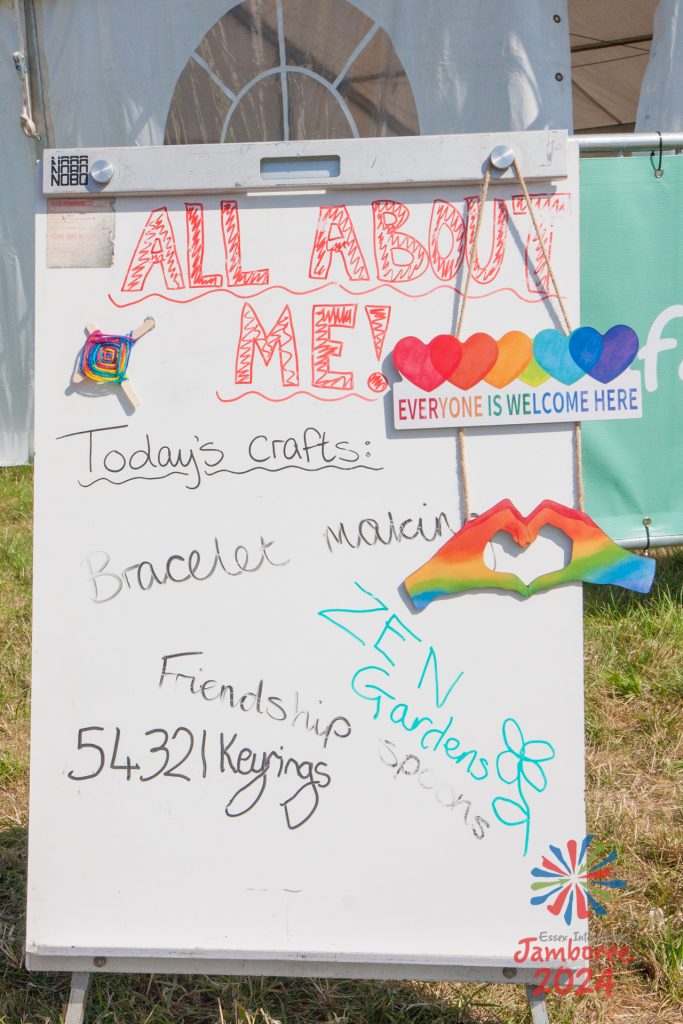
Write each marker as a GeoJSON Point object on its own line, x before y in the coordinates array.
{"type": "Point", "coordinates": [502, 157]}
{"type": "Point", "coordinates": [102, 172]}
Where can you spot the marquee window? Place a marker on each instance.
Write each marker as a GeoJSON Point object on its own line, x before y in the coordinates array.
{"type": "Point", "coordinates": [270, 70]}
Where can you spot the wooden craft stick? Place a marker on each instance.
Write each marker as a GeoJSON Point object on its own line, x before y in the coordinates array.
{"type": "Point", "coordinates": [145, 327]}
{"type": "Point", "coordinates": [130, 393]}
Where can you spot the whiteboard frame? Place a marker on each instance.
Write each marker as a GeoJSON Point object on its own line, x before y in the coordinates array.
{"type": "Point", "coordinates": [365, 163]}
{"type": "Point", "coordinates": [494, 971]}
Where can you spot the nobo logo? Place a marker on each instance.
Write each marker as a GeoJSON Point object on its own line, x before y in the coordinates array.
{"type": "Point", "coordinates": [69, 170]}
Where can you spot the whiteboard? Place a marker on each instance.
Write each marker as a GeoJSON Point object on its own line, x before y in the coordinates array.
{"type": "Point", "coordinates": [226, 772]}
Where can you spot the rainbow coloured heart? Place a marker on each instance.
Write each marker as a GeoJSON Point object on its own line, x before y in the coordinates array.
{"type": "Point", "coordinates": [516, 356]}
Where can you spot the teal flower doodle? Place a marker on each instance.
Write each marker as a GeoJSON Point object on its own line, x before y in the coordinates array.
{"type": "Point", "coordinates": [519, 765]}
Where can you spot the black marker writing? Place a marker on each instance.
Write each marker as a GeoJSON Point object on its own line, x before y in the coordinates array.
{"type": "Point", "coordinates": [183, 670]}
{"type": "Point", "coordinates": [107, 459]}
{"type": "Point", "coordinates": [389, 530]}
{"type": "Point", "coordinates": [165, 753]}
{"type": "Point", "coordinates": [410, 766]}
{"type": "Point", "coordinates": [106, 584]}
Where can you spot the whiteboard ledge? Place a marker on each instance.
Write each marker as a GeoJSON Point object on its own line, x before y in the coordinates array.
{"type": "Point", "coordinates": [279, 964]}
{"type": "Point", "coordinates": [330, 164]}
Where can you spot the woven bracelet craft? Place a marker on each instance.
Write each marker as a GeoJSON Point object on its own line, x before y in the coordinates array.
{"type": "Point", "coordinates": [105, 357]}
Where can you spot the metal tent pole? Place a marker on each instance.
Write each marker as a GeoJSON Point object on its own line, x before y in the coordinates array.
{"type": "Point", "coordinates": [627, 142]}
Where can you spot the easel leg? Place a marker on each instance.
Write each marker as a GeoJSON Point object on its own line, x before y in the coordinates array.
{"type": "Point", "coordinates": [75, 1011]}
{"type": "Point", "coordinates": [539, 1012]}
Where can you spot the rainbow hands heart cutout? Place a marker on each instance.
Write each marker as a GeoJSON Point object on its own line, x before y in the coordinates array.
{"type": "Point", "coordinates": [459, 564]}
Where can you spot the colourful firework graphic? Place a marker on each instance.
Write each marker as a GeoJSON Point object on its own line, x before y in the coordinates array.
{"type": "Point", "coordinates": [568, 881]}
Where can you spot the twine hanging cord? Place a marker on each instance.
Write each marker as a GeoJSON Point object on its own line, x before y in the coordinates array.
{"type": "Point", "coordinates": [474, 247]}
{"type": "Point", "coordinates": [28, 125]}
{"type": "Point", "coordinates": [460, 435]}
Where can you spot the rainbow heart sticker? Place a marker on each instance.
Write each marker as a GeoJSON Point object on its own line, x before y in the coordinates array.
{"type": "Point", "coordinates": [479, 356]}
{"type": "Point", "coordinates": [412, 359]}
{"type": "Point", "coordinates": [553, 354]}
{"type": "Point", "coordinates": [604, 356]}
{"type": "Point", "coordinates": [534, 375]}
{"type": "Point", "coordinates": [445, 352]}
{"type": "Point", "coordinates": [515, 351]}
{"type": "Point", "coordinates": [515, 356]}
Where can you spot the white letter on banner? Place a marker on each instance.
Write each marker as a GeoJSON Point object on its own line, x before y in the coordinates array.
{"type": "Point", "coordinates": [656, 344]}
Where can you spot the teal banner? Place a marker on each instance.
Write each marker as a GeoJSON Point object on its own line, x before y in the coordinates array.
{"type": "Point", "coordinates": [632, 273]}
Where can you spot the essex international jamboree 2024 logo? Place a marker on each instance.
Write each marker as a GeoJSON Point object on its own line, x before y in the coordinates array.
{"type": "Point", "coordinates": [569, 879]}
{"type": "Point", "coordinates": [567, 884]}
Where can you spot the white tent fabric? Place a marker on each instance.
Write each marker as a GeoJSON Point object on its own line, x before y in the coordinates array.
{"type": "Point", "coordinates": [111, 67]}
{"type": "Point", "coordinates": [16, 257]}
{"type": "Point", "coordinates": [661, 98]}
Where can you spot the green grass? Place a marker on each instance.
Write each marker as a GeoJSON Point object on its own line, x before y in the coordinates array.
{"type": "Point", "coordinates": [12, 768]}
{"type": "Point", "coordinates": [634, 697]}
{"type": "Point", "coordinates": [634, 760]}
{"type": "Point", "coordinates": [16, 500]}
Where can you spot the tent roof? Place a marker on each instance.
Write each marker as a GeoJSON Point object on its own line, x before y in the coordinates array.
{"type": "Point", "coordinates": [610, 41]}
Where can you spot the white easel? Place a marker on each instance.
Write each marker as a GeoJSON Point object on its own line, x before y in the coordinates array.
{"type": "Point", "coordinates": [80, 984]}
{"type": "Point", "coordinates": [365, 163]}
